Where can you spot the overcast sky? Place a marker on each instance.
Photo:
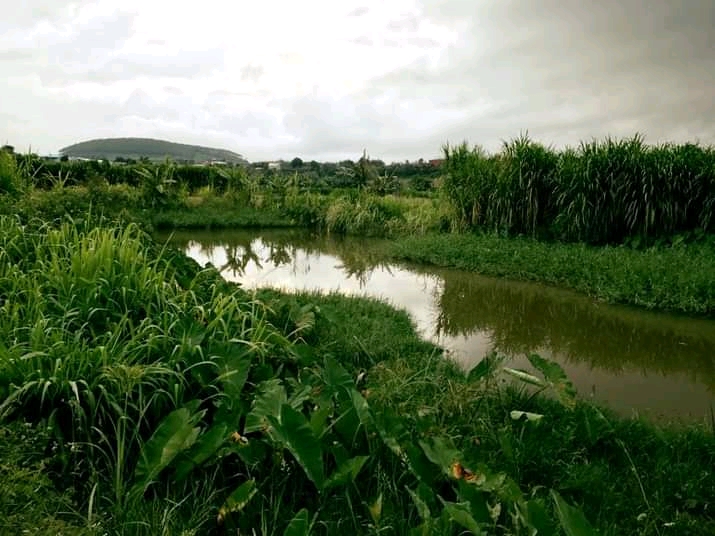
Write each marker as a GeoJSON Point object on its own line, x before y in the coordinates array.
{"type": "Point", "coordinates": [323, 79]}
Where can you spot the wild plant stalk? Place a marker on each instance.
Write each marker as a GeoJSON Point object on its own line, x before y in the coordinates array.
{"type": "Point", "coordinates": [600, 192]}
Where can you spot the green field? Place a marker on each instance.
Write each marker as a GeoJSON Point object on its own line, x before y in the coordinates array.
{"type": "Point", "coordinates": [141, 394]}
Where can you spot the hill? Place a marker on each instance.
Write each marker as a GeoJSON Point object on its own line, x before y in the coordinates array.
{"type": "Point", "coordinates": [112, 148]}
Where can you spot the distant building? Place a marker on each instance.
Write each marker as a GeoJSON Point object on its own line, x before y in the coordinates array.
{"type": "Point", "coordinates": [437, 162]}
{"type": "Point", "coordinates": [274, 165]}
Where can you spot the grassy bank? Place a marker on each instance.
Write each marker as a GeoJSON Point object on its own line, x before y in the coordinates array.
{"type": "Point", "coordinates": [676, 278]}
{"type": "Point", "coordinates": [676, 275]}
{"type": "Point", "coordinates": [160, 399]}
{"type": "Point", "coordinates": [339, 212]}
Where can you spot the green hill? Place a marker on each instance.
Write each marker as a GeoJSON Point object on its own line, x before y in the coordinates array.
{"type": "Point", "coordinates": [112, 148]}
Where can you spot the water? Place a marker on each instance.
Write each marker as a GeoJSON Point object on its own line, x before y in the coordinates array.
{"type": "Point", "coordinates": [653, 364]}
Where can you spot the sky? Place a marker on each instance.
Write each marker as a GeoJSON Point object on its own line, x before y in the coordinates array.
{"type": "Point", "coordinates": [325, 79]}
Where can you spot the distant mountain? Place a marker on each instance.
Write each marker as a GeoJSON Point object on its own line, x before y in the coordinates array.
{"type": "Point", "coordinates": [112, 148]}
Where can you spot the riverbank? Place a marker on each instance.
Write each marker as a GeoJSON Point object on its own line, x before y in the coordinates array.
{"type": "Point", "coordinates": [269, 407]}
{"type": "Point", "coordinates": [675, 278]}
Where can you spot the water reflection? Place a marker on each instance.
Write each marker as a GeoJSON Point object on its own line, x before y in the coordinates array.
{"type": "Point", "coordinates": [631, 359]}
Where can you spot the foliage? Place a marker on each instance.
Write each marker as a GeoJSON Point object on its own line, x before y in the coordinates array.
{"type": "Point", "coordinates": [158, 187]}
{"type": "Point", "coordinates": [9, 180]}
{"type": "Point", "coordinates": [600, 192]}
{"type": "Point", "coordinates": [675, 277]}
{"type": "Point", "coordinates": [153, 377]}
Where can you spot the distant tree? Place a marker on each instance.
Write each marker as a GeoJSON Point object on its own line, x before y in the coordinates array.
{"type": "Point", "coordinates": [64, 158]}
{"type": "Point", "coordinates": [296, 163]}
{"type": "Point", "coordinates": [364, 171]}
{"type": "Point", "coordinates": [7, 149]}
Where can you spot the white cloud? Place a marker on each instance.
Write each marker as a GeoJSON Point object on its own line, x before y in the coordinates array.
{"type": "Point", "coordinates": [323, 79]}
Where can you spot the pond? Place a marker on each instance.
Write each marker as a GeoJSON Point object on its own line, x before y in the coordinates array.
{"type": "Point", "coordinates": [637, 362]}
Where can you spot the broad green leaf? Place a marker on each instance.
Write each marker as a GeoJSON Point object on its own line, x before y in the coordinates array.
{"type": "Point", "coordinates": [302, 394]}
{"type": "Point", "coordinates": [441, 452]}
{"type": "Point", "coordinates": [361, 407]}
{"type": "Point", "coordinates": [422, 507]}
{"type": "Point", "coordinates": [175, 434]}
{"type": "Point", "coordinates": [460, 514]}
{"type": "Point", "coordinates": [533, 515]}
{"type": "Point", "coordinates": [572, 519]}
{"type": "Point", "coordinates": [524, 376]}
{"type": "Point", "coordinates": [346, 472]}
{"type": "Point", "coordinates": [347, 424]}
{"type": "Point", "coordinates": [304, 353]}
{"type": "Point", "coordinates": [396, 437]}
{"type": "Point", "coordinates": [294, 432]}
{"type": "Point", "coordinates": [556, 378]}
{"type": "Point", "coordinates": [299, 525]}
{"type": "Point", "coordinates": [268, 403]}
{"type": "Point", "coordinates": [319, 419]}
{"type": "Point", "coordinates": [206, 445]}
{"type": "Point", "coordinates": [477, 497]}
{"type": "Point", "coordinates": [594, 426]}
{"type": "Point", "coordinates": [391, 430]}
{"type": "Point", "coordinates": [420, 465]}
{"type": "Point", "coordinates": [531, 417]}
{"type": "Point", "coordinates": [336, 376]}
{"type": "Point", "coordinates": [486, 368]}
{"type": "Point", "coordinates": [238, 499]}
{"type": "Point", "coordinates": [233, 373]}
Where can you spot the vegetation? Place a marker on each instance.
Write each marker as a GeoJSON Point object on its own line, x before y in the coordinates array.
{"type": "Point", "coordinates": [518, 316]}
{"type": "Point", "coordinates": [137, 148]}
{"type": "Point", "coordinates": [600, 192]}
{"type": "Point", "coordinates": [677, 278]}
{"type": "Point", "coordinates": [141, 394]}
{"type": "Point", "coordinates": [171, 402]}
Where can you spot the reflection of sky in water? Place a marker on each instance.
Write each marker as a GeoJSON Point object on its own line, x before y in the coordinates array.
{"type": "Point", "coordinates": [402, 288]}
{"type": "Point", "coordinates": [625, 391]}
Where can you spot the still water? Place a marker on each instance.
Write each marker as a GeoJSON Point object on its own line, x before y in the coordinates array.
{"type": "Point", "coordinates": [637, 362]}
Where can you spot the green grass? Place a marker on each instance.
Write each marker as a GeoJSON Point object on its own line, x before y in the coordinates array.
{"type": "Point", "coordinates": [600, 192]}
{"type": "Point", "coordinates": [161, 398]}
{"type": "Point", "coordinates": [218, 213]}
{"type": "Point", "coordinates": [616, 468]}
{"type": "Point", "coordinates": [675, 278]}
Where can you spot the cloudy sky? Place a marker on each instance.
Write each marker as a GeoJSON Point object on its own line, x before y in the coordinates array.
{"type": "Point", "coordinates": [323, 79]}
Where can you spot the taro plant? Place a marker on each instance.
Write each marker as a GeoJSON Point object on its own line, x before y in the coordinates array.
{"type": "Point", "coordinates": [153, 375]}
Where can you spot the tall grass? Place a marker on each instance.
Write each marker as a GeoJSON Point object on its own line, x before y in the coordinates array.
{"type": "Point", "coordinates": [599, 192]}
{"type": "Point", "coordinates": [173, 402]}
{"type": "Point", "coordinates": [152, 376]}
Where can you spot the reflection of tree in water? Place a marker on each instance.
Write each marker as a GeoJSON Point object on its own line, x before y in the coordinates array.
{"type": "Point", "coordinates": [280, 254]}
{"type": "Point", "coordinates": [358, 265]}
{"type": "Point", "coordinates": [522, 317]}
{"type": "Point", "coordinates": [359, 257]}
{"type": "Point", "coordinates": [519, 317]}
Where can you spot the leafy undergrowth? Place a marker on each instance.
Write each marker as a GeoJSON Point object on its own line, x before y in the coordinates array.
{"type": "Point", "coordinates": [676, 278]}
{"type": "Point", "coordinates": [167, 401]}
{"type": "Point", "coordinates": [29, 502]}
{"type": "Point", "coordinates": [216, 212]}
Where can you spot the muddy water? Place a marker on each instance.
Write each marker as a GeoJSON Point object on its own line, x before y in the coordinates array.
{"type": "Point", "coordinates": [657, 365]}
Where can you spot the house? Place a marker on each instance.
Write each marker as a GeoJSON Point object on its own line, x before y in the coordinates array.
{"type": "Point", "coordinates": [437, 162]}
{"type": "Point", "coordinates": [274, 165]}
